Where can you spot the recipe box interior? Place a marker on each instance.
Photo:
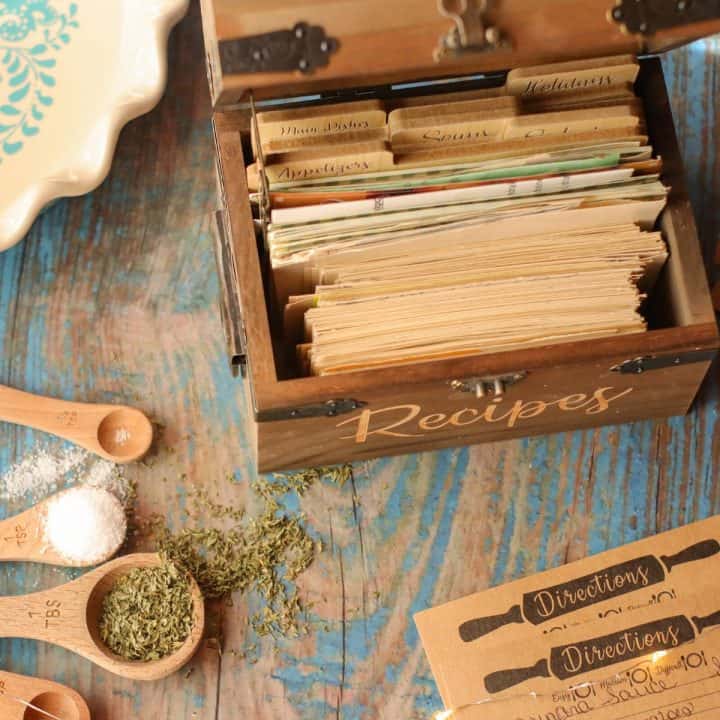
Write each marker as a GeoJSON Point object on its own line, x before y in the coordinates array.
{"type": "Point", "coordinates": [304, 421]}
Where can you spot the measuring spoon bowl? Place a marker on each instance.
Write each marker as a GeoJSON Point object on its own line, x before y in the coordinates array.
{"type": "Point", "coordinates": [69, 616]}
{"type": "Point", "coordinates": [28, 698]}
{"type": "Point", "coordinates": [125, 434]}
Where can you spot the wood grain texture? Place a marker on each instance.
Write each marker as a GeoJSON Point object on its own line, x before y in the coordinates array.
{"type": "Point", "coordinates": [113, 297]}
{"type": "Point", "coordinates": [82, 319]}
{"type": "Point", "coordinates": [382, 42]}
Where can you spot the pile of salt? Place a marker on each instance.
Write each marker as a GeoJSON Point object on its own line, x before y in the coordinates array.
{"type": "Point", "coordinates": [85, 524]}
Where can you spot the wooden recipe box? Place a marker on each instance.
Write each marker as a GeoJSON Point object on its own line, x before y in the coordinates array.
{"type": "Point", "coordinates": [348, 49]}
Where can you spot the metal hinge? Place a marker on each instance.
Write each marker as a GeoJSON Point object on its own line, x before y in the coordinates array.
{"type": "Point", "coordinates": [642, 364]}
{"type": "Point", "coordinates": [471, 33]}
{"type": "Point", "coordinates": [491, 384]}
{"type": "Point", "coordinates": [304, 48]}
{"type": "Point", "coordinates": [230, 309]}
{"type": "Point", "coordinates": [646, 17]}
{"type": "Point", "coordinates": [329, 408]}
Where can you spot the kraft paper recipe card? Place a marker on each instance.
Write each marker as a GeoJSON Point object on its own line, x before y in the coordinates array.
{"type": "Point", "coordinates": [585, 622]}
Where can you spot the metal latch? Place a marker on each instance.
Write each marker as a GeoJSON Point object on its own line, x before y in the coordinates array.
{"type": "Point", "coordinates": [304, 48]}
{"type": "Point", "coordinates": [482, 386]}
{"type": "Point", "coordinates": [646, 17]}
{"type": "Point", "coordinates": [642, 364]}
{"type": "Point", "coordinates": [471, 33]}
{"type": "Point", "coordinates": [329, 408]}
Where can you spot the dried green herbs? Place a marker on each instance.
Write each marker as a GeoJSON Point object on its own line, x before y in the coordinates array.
{"type": "Point", "coordinates": [203, 504]}
{"type": "Point", "coordinates": [148, 613]}
{"type": "Point", "coordinates": [299, 482]}
{"type": "Point", "coordinates": [262, 554]}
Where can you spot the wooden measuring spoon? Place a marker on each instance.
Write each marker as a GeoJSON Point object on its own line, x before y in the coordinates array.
{"type": "Point", "coordinates": [115, 432]}
{"type": "Point", "coordinates": [69, 616]}
{"type": "Point", "coordinates": [22, 538]}
{"type": "Point", "coordinates": [29, 698]}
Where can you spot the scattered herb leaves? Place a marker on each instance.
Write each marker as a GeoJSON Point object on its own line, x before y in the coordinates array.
{"type": "Point", "coordinates": [264, 554]}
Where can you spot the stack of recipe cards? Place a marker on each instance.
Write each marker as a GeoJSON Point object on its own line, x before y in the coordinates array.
{"type": "Point", "coordinates": [630, 634]}
{"type": "Point", "coordinates": [478, 222]}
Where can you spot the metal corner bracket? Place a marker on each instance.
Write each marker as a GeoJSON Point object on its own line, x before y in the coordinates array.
{"type": "Point", "coordinates": [303, 48]}
{"type": "Point", "coordinates": [646, 17]}
{"type": "Point", "coordinates": [329, 408]}
{"type": "Point", "coordinates": [645, 363]}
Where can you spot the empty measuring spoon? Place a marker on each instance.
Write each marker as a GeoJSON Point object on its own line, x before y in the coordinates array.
{"type": "Point", "coordinates": [34, 535]}
{"type": "Point", "coordinates": [29, 698]}
{"type": "Point", "coordinates": [115, 432]}
{"type": "Point", "coordinates": [69, 616]}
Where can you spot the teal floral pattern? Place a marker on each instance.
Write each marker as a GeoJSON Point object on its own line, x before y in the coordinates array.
{"type": "Point", "coordinates": [32, 33]}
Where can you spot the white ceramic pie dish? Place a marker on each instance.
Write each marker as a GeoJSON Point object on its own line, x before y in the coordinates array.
{"type": "Point", "coordinates": [72, 73]}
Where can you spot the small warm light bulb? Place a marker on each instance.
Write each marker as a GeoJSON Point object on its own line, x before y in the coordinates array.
{"type": "Point", "coordinates": [443, 715]}
{"type": "Point", "coordinates": [659, 655]}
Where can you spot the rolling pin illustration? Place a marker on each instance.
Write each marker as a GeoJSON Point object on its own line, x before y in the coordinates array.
{"type": "Point", "coordinates": [542, 605]}
{"type": "Point", "coordinates": [568, 661]}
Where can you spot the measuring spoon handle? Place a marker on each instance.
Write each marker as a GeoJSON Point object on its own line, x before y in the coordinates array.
{"type": "Point", "coordinates": [55, 616]}
{"type": "Point", "coordinates": [77, 422]}
{"type": "Point", "coordinates": [21, 536]}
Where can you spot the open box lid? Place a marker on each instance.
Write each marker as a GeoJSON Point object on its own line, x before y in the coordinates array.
{"type": "Point", "coordinates": [283, 48]}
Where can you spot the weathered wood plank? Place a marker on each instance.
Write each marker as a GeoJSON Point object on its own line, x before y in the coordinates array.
{"type": "Point", "coordinates": [113, 297]}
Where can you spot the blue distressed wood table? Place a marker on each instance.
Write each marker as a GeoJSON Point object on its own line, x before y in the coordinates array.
{"type": "Point", "coordinates": [113, 297]}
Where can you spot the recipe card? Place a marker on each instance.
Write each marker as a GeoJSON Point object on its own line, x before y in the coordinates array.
{"type": "Point", "coordinates": [664, 665]}
{"type": "Point", "coordinates": [657, 578]}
